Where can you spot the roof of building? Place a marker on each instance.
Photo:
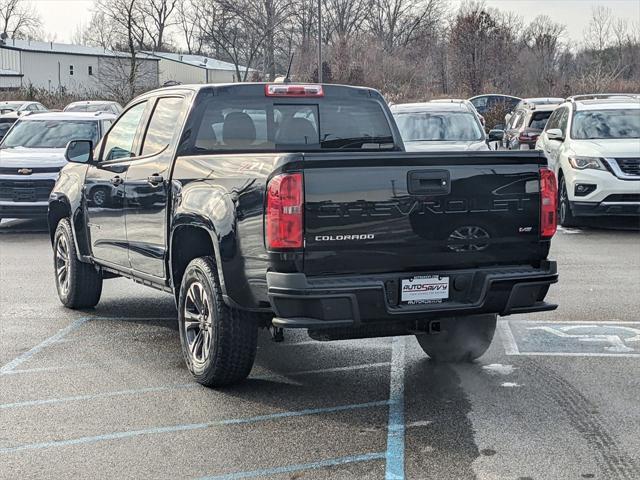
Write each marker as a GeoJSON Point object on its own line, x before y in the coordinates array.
{"type": "Point", "coordinates": [53, 47]}
{"type": "Point", "coordinates": [199, 61]}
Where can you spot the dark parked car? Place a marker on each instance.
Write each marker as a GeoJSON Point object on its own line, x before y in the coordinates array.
{"type": "Point", "coordinates": [488, 102]}
{"type": "Point", "coordinates": [295, 206]}
{"type": "Point", "coordinates": [525, 126]}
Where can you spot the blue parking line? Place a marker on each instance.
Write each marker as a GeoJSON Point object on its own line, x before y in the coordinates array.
{"type": "Point", "coordinates": [331, 462]}
{"type": "Point", "coordinates": [190, 426]}
{"type": "Point", "coordinates": [396, 428]}
{"type": "Point", "coordinates": [9, 367]}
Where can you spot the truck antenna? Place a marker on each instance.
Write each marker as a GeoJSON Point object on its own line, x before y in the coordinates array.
{"type": "Point", "coordinates": [286, 78]}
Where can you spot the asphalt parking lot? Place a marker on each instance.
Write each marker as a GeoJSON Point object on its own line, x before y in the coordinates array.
{"type": "Point", "coordinates": [104, 393]}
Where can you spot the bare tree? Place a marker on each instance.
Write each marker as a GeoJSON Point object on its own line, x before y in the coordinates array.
{"type": "Point", "coordinates": [345, 18]}
{"type": "Point", "coordinates": [19, 19]}
{"type": "Point", "coordinates": [598, 34]}
{"type": "Point", "coordinates": [157, 15]}
{"type": "Point", "coordinates": [470, 40]}
{"type": "Point", "coordinates": [230, 35]}
{"type": "Point", "coordinates": [543, 39]}
{"type": "Point", "coordinates": [187, 23]}
{"type": "Point", "coordinates": [127, 32]}
{"type": "Point", "coordinates": [397, 23]}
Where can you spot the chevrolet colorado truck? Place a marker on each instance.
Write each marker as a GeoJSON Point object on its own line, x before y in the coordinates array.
{"type": "Point", "coordinates": [295, 206]}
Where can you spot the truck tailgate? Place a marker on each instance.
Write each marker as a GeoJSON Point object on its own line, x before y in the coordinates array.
{"type": "Point", "coordinates": [393, 212]}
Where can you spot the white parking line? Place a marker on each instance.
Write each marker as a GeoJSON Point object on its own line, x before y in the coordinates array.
{"type": "Point", "coordinates": [9, 367]}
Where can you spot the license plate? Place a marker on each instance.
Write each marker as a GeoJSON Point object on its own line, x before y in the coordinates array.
{"type": "Point", "coordinates": [428, 289]}
{"type": "Point", "coordinates": [24, 194]}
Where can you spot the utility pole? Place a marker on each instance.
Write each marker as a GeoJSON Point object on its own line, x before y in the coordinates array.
{"type": "Point", "coordinates": [319, 41]}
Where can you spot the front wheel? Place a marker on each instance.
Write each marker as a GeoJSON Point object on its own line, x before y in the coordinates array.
{"type": "Point", "coordinates": [565, 215]}
{"type": "Point", "coordinates": [219, 343]}
{"type": "Point", "coordinates": [461, 339]}
{"type": "Point", "coordinates": [79, 284]}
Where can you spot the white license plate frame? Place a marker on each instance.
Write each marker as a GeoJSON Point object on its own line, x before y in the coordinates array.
{"type": "Point", "coordinates": [424, 289]}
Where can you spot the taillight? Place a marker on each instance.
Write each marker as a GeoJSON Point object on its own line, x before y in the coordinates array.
{"type": "Point", "coordinates": [284, 222]}
{"type": "Point", "coordinates": [548, 203]}
{"type": "Point", "coordinates": [288, 90]}
{"type": "Point", "coordinates": [528, 136]}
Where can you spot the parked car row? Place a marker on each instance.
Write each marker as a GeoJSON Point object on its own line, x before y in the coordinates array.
{"type": "Point", "coordinates": [10, 111]}
{"type": "Point", "coordinates": [592, 143]}
{"type": "Point", "coordinates": [32, 154]}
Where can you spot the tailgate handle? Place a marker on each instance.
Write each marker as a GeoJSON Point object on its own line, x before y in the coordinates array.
{"type": "Point", "coordinates": [429, 182]}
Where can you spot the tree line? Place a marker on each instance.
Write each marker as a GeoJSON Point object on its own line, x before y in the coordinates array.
{"type": "Point", "coordinates": [408, 49]}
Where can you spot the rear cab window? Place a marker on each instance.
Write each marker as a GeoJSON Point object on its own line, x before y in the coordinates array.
{"type": "Point", "coordinates": [242, 118]}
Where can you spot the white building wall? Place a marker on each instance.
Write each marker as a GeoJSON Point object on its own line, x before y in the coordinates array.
{"type": "Point", "coordinates": [171, 71]}
{"type": "Point", "coordinates": [53, 70]}
{"type": "Point", "coordinates": [9, 59]}
{"type": "Point", "coordinates": [114, 71]}
{"type": "Point", "coordinates": [221, 76]}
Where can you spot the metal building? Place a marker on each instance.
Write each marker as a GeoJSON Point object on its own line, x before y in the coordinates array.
{"type": "Point", "coordinates": [72, 68]}
{"type": "Point", "coordinates": [184, 69]}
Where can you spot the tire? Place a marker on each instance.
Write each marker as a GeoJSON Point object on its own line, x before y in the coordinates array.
{"type": "Point", "coordinates": [219, 343]}
{"type": "Point", "coordinates": [461, 339]}
{"type": "Point", "coordinates": [565, 215]}
{"type": "Point", "coordinates": [79, 284]}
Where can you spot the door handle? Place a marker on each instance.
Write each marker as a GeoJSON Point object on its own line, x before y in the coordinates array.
{"type": "Point", "coordinates": [115, 181]}
{"type": "Point", "coordinates": [429, 182]}
{"type": "Point", "coordinates": [155, 179]}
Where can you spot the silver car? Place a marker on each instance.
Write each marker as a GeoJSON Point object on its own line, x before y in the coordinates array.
{"type": "Point", "coordinates": [439, 126]}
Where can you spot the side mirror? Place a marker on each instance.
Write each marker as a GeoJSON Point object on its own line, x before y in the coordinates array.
{"type": "Point", "coordinates": [555, 134]}
{"type": "Point", "coordinates": [496, 135]}
{"type": "Point", "coordinates": [79, 151]}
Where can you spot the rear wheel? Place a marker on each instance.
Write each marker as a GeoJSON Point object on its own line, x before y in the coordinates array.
{"type": "Point", "coordinates": [461, 339]}
{"type": "Point", "coordinates": [565, 215]}
{"type": "Point", "coordinates": [79, 284]}
{"type": "Point", "coordinates": [219, 343]}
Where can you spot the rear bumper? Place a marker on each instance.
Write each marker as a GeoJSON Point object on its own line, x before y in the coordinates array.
{"type": "Point", "coordinates": [345, 301]}
{"type": "Point", "coordinates": [605, 208]}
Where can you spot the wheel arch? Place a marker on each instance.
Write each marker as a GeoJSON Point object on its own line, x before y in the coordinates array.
{"type": "Point", "coordinates": [191, 238]}
{"type": "Point", "coordinates": [60, 207]}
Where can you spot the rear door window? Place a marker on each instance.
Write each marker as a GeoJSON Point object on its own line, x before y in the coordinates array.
{"type": "Point", "coordinates": [164, 124]}
{"type": "Point", "coordinates": [539, 120]}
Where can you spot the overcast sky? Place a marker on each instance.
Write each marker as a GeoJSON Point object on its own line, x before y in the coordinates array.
{"type": "Point", "coordinates": [61, 17]}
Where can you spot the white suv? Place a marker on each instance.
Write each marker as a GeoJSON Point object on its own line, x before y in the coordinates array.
{"type": "Point", "coordinates": [592, 143]}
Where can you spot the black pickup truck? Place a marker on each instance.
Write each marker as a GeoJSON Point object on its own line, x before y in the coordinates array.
{"type": "Point", "coordinates": [294, 206]}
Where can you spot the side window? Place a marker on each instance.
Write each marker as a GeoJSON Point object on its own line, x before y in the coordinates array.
{"type": "Point", "coordinates": [562, 124]}
{"type": "Point", "coordinates": [163, 125]}
{"type": "Point", "coordinates": [480, 102]}
{"type": "Point", "coordinates": [517, 120]}
{"type": "Point", "coordinates": [119, 142]}
{"type": "Point", "coordinates": [106, 124]}
{"type": "Point", "coordinates": [553, 119]}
